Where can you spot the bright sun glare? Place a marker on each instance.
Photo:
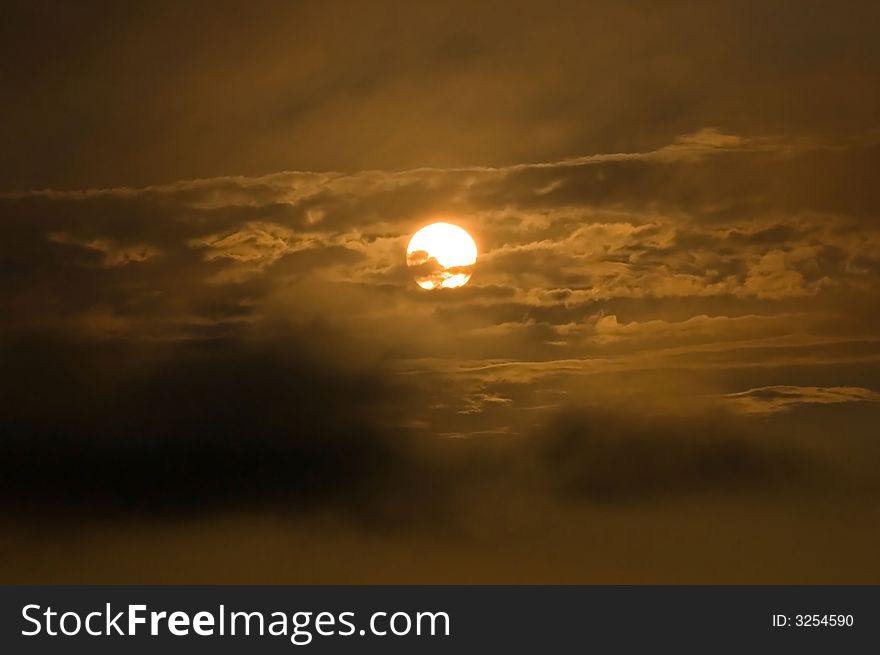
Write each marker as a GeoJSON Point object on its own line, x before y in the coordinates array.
{"type": "Point", "coordinates": [441, 256]}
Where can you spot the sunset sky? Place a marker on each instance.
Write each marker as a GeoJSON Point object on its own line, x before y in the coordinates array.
{"type": "Point", "coordinates": [217, 366]}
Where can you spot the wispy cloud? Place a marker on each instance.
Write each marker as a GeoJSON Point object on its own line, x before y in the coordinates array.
{"type": "Point", "coordinates": [780, 398]}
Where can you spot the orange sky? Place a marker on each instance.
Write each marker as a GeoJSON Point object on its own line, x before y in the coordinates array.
{"type": "Point", "coordinates": [670, 332]}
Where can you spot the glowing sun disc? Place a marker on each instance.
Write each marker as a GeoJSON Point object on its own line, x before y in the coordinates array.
{"type": "Point", "coordinates": [441, 256]}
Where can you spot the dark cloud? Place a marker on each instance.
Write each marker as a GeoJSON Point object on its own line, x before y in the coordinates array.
{"type": "Point", "coordinates": [612, 456]}
{"type": "Point", "coordinates": [209, 89]}
{"type": "Point", "coordinates": [141, 427]}
{"type": "Point", "coordinates": [223, 423]}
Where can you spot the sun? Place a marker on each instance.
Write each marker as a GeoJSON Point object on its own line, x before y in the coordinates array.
{"type": "Point", "coordinates": [441, 256]}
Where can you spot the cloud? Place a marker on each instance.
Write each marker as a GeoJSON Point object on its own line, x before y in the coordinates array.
{"type": "Point", "coordinates": [700, 256]}
{"type": "Point", "coordinates": [112, 254]}
{"type": "Point", "coordinates": [290, 424]}
{"type": "Point", "coordinates": [474, 403]}
{"type": "Point", "coordinates": [255, 243]}
{"type": "Point", "coordinates": [782, 398]}
{"type": "Point", "coordinates": [611, 455]}
{"type": "Point", "coordinates": [261, 90]}
{"type": "Point", "coordinates": [151, 428]}
{"type": "Point", "coordinates": [583, 230]}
